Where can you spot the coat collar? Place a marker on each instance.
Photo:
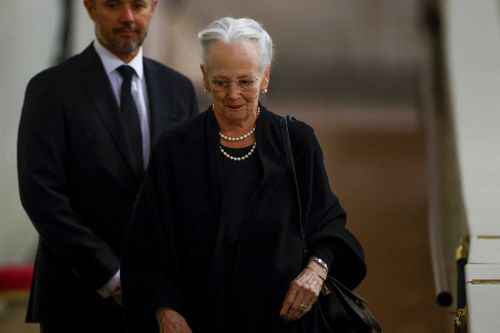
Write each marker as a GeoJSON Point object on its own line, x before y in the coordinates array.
{"type": "Point", "coordinates": [270, 149]}
{"type": "Point", "coordinates": [111, 62]}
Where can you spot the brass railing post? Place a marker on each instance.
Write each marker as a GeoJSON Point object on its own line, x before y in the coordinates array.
{"type": "Point", "coordinates": [461, 256]}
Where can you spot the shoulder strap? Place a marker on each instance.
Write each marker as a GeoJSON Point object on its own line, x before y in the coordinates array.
{"type": "Point", "coordinates": [350, 299]}
{"type": "Point", "coordinates": [291, 166]}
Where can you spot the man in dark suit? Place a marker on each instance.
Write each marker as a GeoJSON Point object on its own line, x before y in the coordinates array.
{"type": "Point", "coordinates": [86, 131]}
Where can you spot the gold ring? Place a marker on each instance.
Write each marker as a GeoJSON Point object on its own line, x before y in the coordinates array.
{"type": "Point", "coordinates": [304, 308]}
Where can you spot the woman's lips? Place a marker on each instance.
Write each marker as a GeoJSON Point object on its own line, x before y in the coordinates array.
{"type": "Point", "coordinates": [235, 107]}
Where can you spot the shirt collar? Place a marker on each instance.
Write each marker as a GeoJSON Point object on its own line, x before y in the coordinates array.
{"type": "Point", "coordinates": [111, 62]}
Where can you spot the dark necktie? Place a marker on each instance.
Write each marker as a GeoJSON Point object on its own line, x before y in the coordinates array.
{"type": "Point", "coordinates": [131, 117]}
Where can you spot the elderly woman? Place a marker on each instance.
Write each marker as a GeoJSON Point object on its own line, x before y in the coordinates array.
{"type": "Point", "coordinates": [214, 244]}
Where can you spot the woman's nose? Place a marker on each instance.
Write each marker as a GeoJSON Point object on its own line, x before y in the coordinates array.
{"type": "Point", "coordinates": [234, 90]}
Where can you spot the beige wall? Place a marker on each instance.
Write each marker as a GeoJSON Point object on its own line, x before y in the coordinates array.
{"type": "Point", "coordinates": [317, 31]}
{"type": "Point", "coordinates": [28, 35]}
{"type": "Point", "coordinates": [26, 49]}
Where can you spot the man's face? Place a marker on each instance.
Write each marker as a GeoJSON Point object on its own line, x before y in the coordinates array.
{"type": "Point", "coordinates": [121, 25]}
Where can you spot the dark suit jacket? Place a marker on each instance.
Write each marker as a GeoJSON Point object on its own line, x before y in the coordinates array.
{"type": "Point", "coordinates": [76, 179]}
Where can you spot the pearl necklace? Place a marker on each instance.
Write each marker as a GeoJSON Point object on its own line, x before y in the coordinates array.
{"type": "Point", "coordinates": [239, 138]}
{"type": "Point", "coordinates": [235, 158]}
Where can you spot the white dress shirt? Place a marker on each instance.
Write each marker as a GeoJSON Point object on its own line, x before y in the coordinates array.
{"type": "Point", "coordinates": [139, 93]}
{"type": "Point", "coordinates": [139, 90]}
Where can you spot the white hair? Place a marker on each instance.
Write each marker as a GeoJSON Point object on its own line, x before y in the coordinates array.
{"type": "Point", "coordinates": [230, 30]}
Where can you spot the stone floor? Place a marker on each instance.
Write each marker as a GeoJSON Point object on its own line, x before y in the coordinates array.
{"type": "Point", "coordinates": [12, 320]}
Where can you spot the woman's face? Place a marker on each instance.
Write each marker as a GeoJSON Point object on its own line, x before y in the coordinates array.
{"type": "Point", "coordinates": [234, 79]}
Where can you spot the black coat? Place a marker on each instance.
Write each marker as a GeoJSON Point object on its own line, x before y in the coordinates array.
{"type": "Point", "coordinates": [173, 251]}
{"type": "Point", "coordinates": [77, 183]}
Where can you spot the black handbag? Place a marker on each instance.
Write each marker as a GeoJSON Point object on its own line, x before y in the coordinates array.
{"type": "Point", "coordinates": [341, 309]}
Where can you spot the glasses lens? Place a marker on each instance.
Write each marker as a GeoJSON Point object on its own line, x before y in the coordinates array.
{"type": "Point", "coordinates": [244, 84]}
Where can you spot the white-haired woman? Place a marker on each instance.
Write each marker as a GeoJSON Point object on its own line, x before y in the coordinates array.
{"type": "Point", "coordinates": [214, 244]}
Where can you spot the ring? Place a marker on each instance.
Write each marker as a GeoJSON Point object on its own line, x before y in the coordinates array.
{"type": "Point", "coordinates": [304, 308]}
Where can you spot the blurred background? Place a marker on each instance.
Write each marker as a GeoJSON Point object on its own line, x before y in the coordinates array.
{"type": "Point", "coordinates": [354, 70]}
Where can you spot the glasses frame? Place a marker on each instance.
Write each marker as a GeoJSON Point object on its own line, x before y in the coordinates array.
{"type": "Point", "coordinates": [244, 84]}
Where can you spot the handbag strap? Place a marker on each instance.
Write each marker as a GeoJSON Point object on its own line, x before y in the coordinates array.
{"type": "Point", "coordinates": [352, 300]}
{"type": "Point", "coordinates": [291, 167]}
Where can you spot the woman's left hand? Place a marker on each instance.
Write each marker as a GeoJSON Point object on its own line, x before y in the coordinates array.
{"type": "Point", "coordinates": [303, 292]}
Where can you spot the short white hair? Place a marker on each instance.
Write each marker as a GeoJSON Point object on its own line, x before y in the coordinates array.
{"type": "Point", "coordinates": [230, 30]}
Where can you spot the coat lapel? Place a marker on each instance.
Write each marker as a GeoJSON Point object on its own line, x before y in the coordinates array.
{"type": "Point", "coordinates": [158, 101]}
{"type": "Point", "coordinates": [96, 83]}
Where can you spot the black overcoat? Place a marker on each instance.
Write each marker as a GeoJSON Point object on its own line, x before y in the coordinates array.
{"type": "Point", "coordinates": [173, 252]}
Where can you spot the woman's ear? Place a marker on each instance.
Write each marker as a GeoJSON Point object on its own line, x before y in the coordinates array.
{"type": "Point", "coordinates": [264, 84]}
{"type": "Point", "coordinates": [206, 83]}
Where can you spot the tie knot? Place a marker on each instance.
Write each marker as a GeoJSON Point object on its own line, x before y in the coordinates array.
{"type": "Point", "coordinates": [126, 71]}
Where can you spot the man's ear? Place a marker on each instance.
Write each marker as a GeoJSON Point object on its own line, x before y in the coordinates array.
{"type": "Point", "coordinates": [89, 6]}
{"type": "Point", "coordinates": [154, 4]}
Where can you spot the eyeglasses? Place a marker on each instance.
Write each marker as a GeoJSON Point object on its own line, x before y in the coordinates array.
{"type": "Point", "coordinates": [244, 84]}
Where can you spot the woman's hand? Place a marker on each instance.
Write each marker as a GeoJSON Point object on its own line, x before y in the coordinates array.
{"type": "Point", "coordinates": [170, 321]}
{"type": "Point", "coordinates": [303, 291]}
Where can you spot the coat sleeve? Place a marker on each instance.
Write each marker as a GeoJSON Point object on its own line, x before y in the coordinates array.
{"type": "Point", "coordinates": [150, 266]}
{"type": "Point", "coordinates": [45, 189]}
{"type": "Point", "coordinates": [323, 216]}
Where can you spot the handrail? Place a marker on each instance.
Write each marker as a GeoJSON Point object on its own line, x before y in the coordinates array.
{"type": "Point", "coordinates": [431, 90]}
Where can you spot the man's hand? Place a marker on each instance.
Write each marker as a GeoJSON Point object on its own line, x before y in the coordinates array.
{"type": "Point", "coordinates": [116, 294]}
{"type": "Point", "coordinates": [170, 321]}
